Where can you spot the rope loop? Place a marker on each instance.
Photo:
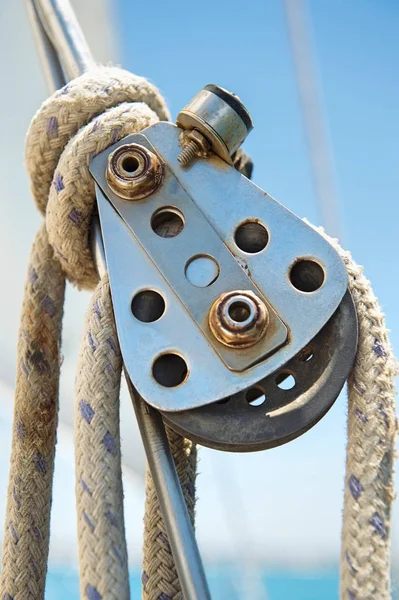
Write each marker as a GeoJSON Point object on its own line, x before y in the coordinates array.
{"type": "Point", "coordinates": [76, 123]}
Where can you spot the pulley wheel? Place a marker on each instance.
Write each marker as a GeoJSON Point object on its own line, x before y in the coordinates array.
{"type": "Point", "coordinates": [284, 405]}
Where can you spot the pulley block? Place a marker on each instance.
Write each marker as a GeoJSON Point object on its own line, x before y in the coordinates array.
{"type": "Point", "coordinates": [222, 296]}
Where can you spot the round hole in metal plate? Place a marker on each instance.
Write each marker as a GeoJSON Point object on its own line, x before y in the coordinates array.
{"type": "Point", "coordinates": [255, 396]}
{"type": "Point", "coordinates": [148, 306]}
{"type": "Point", "coordinates": [285, 380]}
{"type": "Point", "coordinates": [251, 237]}
{"type": "Point", "coordinates": [240, 311]}
{"type": "Point", "coordinates": [167, 222]}
{"type": "Point", "coordinates": [202, 270]}
{"type": "Point", "coordinates": [130, 164]}
{"type": "Point", "coordinates": [306, 275]}
{"type": "Point", "coordinates": [170, 370]}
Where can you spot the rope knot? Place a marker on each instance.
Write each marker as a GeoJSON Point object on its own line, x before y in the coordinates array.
{"type": "Point", "coordinates": [79, 121]}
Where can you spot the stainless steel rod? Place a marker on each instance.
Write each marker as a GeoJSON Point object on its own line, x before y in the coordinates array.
{"type": "Point", "coordinates": [51, 66]}
{"type": "Point", "coordinates": [63, 29]}
{"type": "Point", "coordinates": [62, 44]}
{"type": "Point", "coordinates": [171, 501]}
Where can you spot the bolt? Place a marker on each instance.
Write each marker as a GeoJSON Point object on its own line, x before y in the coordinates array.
{"type": "Point", "coordinates": [222, 120]}
{"type": "Point", "coordinates": [238, 319]}
{"type": "Point", "coordinates": [134, 172]}
{"type": "Point", "coordinates": [194, 143]}
{"type": "Point", "coordinates": [188, 153]}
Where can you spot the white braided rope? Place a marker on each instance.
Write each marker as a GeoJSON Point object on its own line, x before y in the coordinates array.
{"type": "Point", "coordinates": [99, 495]}
{"type": "Point", "coordinates": [372, 429]}
{"type": "Point", "coordinates": [59, 148]}
{"type": "Point", "coordinates": [103, 558]}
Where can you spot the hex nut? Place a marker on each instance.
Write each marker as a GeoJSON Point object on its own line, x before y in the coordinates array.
{"type": "Point", "coordinates": [133, 172]}
{"type": "Point", "coordinates": [238, 319]}
{"type": "Point", "coordinates": [201, 141]}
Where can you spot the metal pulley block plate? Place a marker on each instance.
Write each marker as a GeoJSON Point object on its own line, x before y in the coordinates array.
{"type": "Point", "coordinates": [284, 405]}
{"type": "Point", "coordinates": [215, 285]}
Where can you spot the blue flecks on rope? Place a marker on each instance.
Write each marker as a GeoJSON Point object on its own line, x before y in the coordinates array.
{"type": "Point", "coordinates": [377, 522]}
{"type": "Point", "coordinates": [92, 593]}
{"type": "Point", "coordinates": [52, 128]}
{"type": "Point", "coordinates": [86, 411]}
{"type": "Point", "coordinates": [379, 349]}
{"type": "Point", "coordinates": [88, 521]}
{"type": "Point", "coordinates": [355, 487]}
{"type": "Point", "coordinates": [58, 183]}
{"type": "Point", "coordinates": [110, 443]}
{"type": "Point", "coordinates": [40, 463]}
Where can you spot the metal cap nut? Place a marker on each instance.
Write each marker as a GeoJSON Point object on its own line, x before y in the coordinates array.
{"type": "Point", "coordinates": [134, 172]}
{"type": "Point", "coordinates": [238, 318]}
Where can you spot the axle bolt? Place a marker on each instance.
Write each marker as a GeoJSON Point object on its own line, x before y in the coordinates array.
{"type": "Point", "coordinates": [134, 172]}
{"type": "Point", "coordinates": [238, 319]}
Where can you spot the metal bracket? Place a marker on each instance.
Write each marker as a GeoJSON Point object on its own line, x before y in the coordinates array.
{"type": "Point", "coordinates": [251, 241]}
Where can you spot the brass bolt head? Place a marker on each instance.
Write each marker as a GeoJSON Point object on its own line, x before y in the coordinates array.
{"type": "Point", "coordinates": [134, 172]}
{"type": "Point", "coordinates": [238, 319]}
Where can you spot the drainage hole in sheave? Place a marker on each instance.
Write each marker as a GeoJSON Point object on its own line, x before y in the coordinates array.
{"type": "Point", "coordinates": [251, 237]}
{"type": "Point", "coordinates": [148, 306]}
{"type": "Point", "coordinates": [305, 355]}
{"type": "Point", "coordinates": [255, 396]}
{"type": "Point", "coordinates": [167, 222]}
{"type": "Point", "coordinates": [307, 275]}
{"type": "Point", "coordinates": [170, 370]}
{"type": "Point", "coordinates": [239, 311]}
{"type": "Point", "coordinates": [130, 164]}
{"type": "Point", "coordinates": [285, 381]}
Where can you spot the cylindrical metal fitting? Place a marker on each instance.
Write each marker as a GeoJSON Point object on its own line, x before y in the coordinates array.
{"type": "Point", "coordinates": [220, 116]}
{"type": "Point", "coordinates": [238, 319]}
{"type": "Point", "coordinates": [134, 172]}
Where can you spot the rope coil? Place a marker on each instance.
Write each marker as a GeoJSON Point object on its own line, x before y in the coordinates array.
{"type": "Point", "coordinates": [77, 122]}
{"type": "Point", "coordinates": [62, 139]}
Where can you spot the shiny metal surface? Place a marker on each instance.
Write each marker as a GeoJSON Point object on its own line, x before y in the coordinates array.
{"type": "Point", "coordinates": [171, 500]}
{"type": "Point", "coordinates": [170, 258]}
{"type": "Point", "coordinates": [202, 193]}
{"type": "Point", "coordinates": [238, 319]}
{"type": "Point", "coordinates": [284, 405]}
{"type": "Point", "coordinates": [48, 57]}
{"type": "Point", "coordinates": [215, 117]}
{"type": "Point", "coordinates": [63, 29]}
{"type": "Point", "coordinates": [133, 172]}
{"type": "Point", "coordinates": [194, 144]}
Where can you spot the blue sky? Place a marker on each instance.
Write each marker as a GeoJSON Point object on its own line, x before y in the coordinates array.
{"type": "Point", "coordinates": [244, 47]}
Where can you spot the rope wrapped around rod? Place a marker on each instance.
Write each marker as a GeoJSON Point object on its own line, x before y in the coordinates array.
{"type": "Point", "coordinates": [83, 118]}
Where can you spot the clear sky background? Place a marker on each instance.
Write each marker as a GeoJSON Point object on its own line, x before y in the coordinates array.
{"type": "Point", "coordinates": [283, 505]}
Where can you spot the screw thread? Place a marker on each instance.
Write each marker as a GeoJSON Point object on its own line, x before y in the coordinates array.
{"type": "Point", "coordinates": [188, 152]}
